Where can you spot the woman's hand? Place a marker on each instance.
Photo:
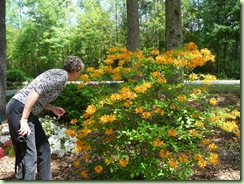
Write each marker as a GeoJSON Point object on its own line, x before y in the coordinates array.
{"type": "Point", "coordinates": [24, 128]}
{"type": "Point", "coordinates": [58, 111]}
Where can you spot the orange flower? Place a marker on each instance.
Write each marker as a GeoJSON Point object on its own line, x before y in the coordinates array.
{"type": "Point", "coordinates": [202, 163]}
{"type": "Point", "coordinates": [84, 173]}
{"type": "Point", "coordinates": [73, 121]}
{"type": "Point", "coordinates": [70, 132]}
{"type": "Point", "coordinates": [109, 131]}
{"type": "Point", "coordinates": [212, 147]}
{"type": "Point", "coordinates": [183, 158]}
{"type": "Point", "coordinates": [146, 115]}
{"type": "Point", "coordinates": [124, 162]}
{"type": "Point", "coordinates": [173, 162]}
{"type": "Point", "coordinates": [98, 169]}
{"type": "Point", "coordinates": [77, 163]}
{"type": "Point", "coordinates": [139, 110]}
{"type": "Point", "coordinates": [172, 133]}
{"type": "Point", "coordinates": [164, 153]}
{"type": "Point", "coordinates": [157, 142]}
{"type": "Point", "coordinates": [205, 141]}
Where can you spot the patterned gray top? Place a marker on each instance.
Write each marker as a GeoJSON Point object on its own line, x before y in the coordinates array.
{"type": "Point", "coordinates": [48, 85]}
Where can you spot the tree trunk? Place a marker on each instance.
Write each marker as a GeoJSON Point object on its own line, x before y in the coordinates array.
{"type": "Point", "coordinates": [3, 66]}
{"type": "Point", "coordinates": [174, 30]}
{"type": "Point", "coordinates": [173, 34]}
{"type": "Point", "coordinates": [133, 39]}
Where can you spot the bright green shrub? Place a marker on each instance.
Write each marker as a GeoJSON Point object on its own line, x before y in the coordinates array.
{"type": "Point", "coordinates": [75, 101]}
{"type": "Point", "coordinates": [15, 75]}
{"type": "Point", "coordinates": [150, 129]}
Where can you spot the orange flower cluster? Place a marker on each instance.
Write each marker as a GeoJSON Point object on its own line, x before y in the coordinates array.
{"type": "Point", "coordinates": [190, 57]}
{"type": "Point", "coordinates": [107, 118]}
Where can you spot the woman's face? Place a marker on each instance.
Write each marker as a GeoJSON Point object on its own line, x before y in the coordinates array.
{"type": "Point", "coordinates": [74, 76]}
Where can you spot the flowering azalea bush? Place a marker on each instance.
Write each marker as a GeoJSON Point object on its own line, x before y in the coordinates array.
{"type": "Point", "coordinates": [150, 129]}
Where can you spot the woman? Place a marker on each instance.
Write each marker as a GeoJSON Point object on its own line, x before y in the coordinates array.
{"type": "Point", "coordinates": [30, 143]}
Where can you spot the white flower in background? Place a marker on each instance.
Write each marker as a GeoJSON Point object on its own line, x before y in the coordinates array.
{"type": "Point", "coordinates": [5, 130]}
{"type": "Point", "coordinates": [60, 143]}
{"type": "Point", "coordinates": [4, 138]}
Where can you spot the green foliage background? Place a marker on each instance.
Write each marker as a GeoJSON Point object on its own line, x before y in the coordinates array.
{"type": "Point", "coordinates": [43, 32]}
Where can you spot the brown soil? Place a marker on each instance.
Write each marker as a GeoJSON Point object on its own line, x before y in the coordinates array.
{"type": "Point", "coordinates": [227, 169]}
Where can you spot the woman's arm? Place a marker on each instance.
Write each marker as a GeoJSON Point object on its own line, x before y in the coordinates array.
{"type": "Point", "coordinates": [56, 110]}
{"type": "Point", "coordinates": [30, 101]}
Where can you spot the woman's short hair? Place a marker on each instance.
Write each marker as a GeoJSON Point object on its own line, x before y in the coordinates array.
{"type": "Point", "coordinates": [73, 63]}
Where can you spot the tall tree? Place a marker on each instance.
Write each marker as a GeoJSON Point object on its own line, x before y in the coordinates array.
{"type": "Point", "coordinates": [133, 30]}
{"type": "Point", "coordinates": [173, 31]}
{"type": "Point", "coordinates": [2, 61]}
{"type": "Point", "coordinates": [173, 34]}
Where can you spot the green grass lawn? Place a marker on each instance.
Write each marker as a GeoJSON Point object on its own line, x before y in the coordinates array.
{"type": "Point", "coordinates": [223, 88]}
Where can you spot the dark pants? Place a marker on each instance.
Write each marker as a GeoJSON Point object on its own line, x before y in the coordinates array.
{"type": "Point", "coordinates": [35, 152]}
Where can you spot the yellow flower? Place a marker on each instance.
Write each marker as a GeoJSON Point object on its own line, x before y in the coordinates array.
{"type": "Point", "coordinates": [230, 126]}
{"type": "Point", "coordinates": [77, 163]}
{"type": "Point", "coordinates": [156, 74]}
{"type": "Point", "coordinates": [155, 52]}
{"type": "Point", "coordinates": [173, 162]}
{"type": "Point", "coordinates": [212, 147]}
{"type": "Point", "coordinates": [98, 168]}
{"type": "Point", "coordinates": [107, 118]}
{"type": "Point", "coordinates": [91, 109]}
{"type": "Point", "coordinates": [128, 103]}
{"type": "Point", "coordinates": [78, 148]}
{"type": "Point", "coordinates": [73, 121]}
{"type": "Point", "coordinates": [124, 162]}
{"type": "Point", "coordinates": [146, 114]}
{"type": "Point", "coordinates": [84, 173]}
{"type": "Point", "coordinates": [86, 157]}
{"type": "Point", "coordinates": [216, 118]}
{"type": "Point", "coordinates": [181, 98]}
{"type": "Point", "coordinates": [205, 141]}
{"type": "Point", "coordinates": [117, 77]}
{"type": "Point", "coordinates": [235, 113]}
{"type": "Point", "coordinates": [199, 124]}
{"type": "Point", "coordinates": [172, 133]}
{"type": "Point", "coordinates": [213, 158]}
{"type": "Point", "coordinates": [237, 134]}
{"type": "Point", "coordinates": [202, 163]}
{"type": "Point", "coordinates": [191, 46]}
{"type": "Point", "coordinates": [197, 156]}
{"type": "Point", "coordinates": [196, 91]}
{"type": "Point", "coordinates": [193, 76]}
{"type": "Point", "coordinates": [213, 101]}
{"type": "Point", "coordinates": [164, 153]}
{"type": "Point", "coordinates": [139, 110]}
{"type": "Point", "coordinates": [81, 85]}
{"type": "Point", "coordinates": [162, 80]}
{"type": "Point", "coordinates": [90, 69]}
{"type": "Point", "coordinates": [84, 77]}
{"type": "Point", "coordinates": [109, 61]}
{"type": "Point", "coordinates": [157, 142]}
{"type": "Point", "coordinates": [193, 132]}
{"type": "Point", "coordinates": [87, 147]}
